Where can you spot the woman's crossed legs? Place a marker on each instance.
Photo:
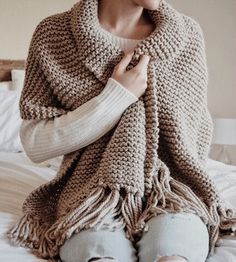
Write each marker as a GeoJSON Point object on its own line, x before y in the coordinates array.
{"type": "Point", "coordinates": [173, 237]}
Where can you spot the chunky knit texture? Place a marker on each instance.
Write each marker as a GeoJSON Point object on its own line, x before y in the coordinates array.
{"type": "Point", "coordinates": [43, 139]}
{"type": "Point", "coordinates": [153, 161]}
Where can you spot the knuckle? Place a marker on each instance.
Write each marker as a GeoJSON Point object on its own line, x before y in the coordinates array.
{"type": "Point", "coordinates": [142, 78]}
{"type": "Point", "coordinates": [144, 83]}
{"type": "Point", "coordinates": [117, 66]}
{"type": "Point", "coordinates": [137, 71]}
{"type": "Point", "coordinates": [129, 54]}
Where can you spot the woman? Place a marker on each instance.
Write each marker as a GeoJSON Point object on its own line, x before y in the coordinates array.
{"type": "Point", "coordinates": [126, 22]}
{"type": "Point", "coordinates": [70, 60]}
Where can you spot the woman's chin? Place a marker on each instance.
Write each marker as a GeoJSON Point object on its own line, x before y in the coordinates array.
{"type": "Point", "coordinates": [148, 4]}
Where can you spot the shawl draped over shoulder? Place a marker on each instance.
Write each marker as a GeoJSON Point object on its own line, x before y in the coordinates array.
{"type": "Point", "coordinates": [153, 161]}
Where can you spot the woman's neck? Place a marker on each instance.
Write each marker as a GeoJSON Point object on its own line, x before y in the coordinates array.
{"type": "Point", "coordinates": [125, 19]}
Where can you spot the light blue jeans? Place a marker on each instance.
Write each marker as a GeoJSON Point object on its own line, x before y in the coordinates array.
{"type": "Point", "coordinates": [181, 234]}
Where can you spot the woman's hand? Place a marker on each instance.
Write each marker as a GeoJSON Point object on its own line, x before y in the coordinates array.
{"type": "Point", "coordinates": [135, 79]}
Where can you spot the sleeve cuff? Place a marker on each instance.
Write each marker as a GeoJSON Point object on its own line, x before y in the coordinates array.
{"type": "Point", "coordinates": [115, 93]}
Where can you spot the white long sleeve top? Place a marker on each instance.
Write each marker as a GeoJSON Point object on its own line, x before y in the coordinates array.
{"type": "Point", "coordinates": [46, 139]}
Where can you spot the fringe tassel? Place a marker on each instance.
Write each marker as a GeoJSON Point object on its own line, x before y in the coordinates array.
{"type": "Point", "coordinates": [131, 210]}
{"type": "Point", "coordinates": [96, 207]}
{"type": "Point", "coordinates": [171, 196]}
{"type": "Point", "coordinates": [213, 230]}
{"type": "Point", "coordinates": [45, 240]}
{"type": "Point", "coordinates": [168, 196]}
{"type": "Point", "coordinates": [225, 224]}
{"type": "Point", "coordinates": [28, 233]}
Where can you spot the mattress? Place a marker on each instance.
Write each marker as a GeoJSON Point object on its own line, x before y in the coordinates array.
{"type": "Point", "coordinates": [19, 176]}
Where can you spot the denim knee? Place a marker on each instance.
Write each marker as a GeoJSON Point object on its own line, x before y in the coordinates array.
{"type": "Point", "coordinates": [179, 234]}
{"type": "Point", "coordinates": [89, 243]}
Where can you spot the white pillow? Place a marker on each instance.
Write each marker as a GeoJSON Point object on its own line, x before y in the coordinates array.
{"type": "Point", "coordinates": [6, 85]}
{"type": "Point", "coordinates": [10, 121]}
{"type": "Point", "coordinates": [17, 76]}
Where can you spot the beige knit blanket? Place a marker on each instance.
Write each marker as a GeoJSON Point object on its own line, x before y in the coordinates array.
{"type": "Point", "coordinates": [153, 161]}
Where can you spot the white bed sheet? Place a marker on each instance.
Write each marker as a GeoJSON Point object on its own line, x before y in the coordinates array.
{"type": "Point", "coordinates": [19, 176]}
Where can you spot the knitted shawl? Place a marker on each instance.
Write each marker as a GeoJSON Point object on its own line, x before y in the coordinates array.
{"type": "Point", "coordinates": [153, 161]}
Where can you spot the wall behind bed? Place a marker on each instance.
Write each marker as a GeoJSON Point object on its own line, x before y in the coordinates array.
{"type": "Point", "coordinates": [218, 21]}
{"type": "Point", "coordinates": [217, 18]}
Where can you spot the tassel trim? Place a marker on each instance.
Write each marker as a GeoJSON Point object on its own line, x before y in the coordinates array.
{"type": "Point", "coordinates": [45, 240]}
{"type": "Point", "coordinates": [168, 196]}
{"type": "Point", "coordinates": [171, 196]}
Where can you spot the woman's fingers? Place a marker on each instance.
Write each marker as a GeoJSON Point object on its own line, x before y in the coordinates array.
{"type": "Point", "coordinates": [125, 62]}
{"type": "Point", "coordinates": [143, 62]}
{"type": "Point", "coordinates": [135, 79]}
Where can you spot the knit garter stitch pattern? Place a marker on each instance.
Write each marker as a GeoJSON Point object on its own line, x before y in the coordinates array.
{"type": "Point", "coordinates": [152, 162]}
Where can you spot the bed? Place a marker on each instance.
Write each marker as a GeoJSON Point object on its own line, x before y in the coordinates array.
{"type": "Point", "coordinates": [19, 175]}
